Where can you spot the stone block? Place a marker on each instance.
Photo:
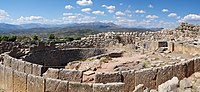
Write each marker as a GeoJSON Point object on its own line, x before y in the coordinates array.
{"type": "Point", "coordinates": [7, 60]}
{"type": "Point", "coordinates": [197, 65]}
{"type": "Point", "coordinates": [189, 67]}
{"type": "Point", "coordinates": [55, 85]}
{"type": "Point", "coordinates": [63, 87]}
{"type": "Point", "coordinates": [35, 83]}
{"type": "Point", "coordinates": [108, 77]}
{"type": "Point", "coordinates": [146, 77]}
{"type": "Point", "coordinates": [52, 73]}
{"type": "Point", "coordinates": [80, 87]}
{"type": "Point", "coordinates": [14, 64]}
{"type": "Point", "coordinates": [109, 87]}
{"type": "Point", "coordinates": [71, 75]}
{"type": "Point", "coordinates": [19, 81]}
{"type": "Point", "coordinates": [1, 77]}
{"type": "Point", "coordinates": [8, 76]}
{"type": "Point", "coordinates": [164, 74]}
{"type": "Point", "coordinates": [21, 66]}
{"type": "Point", "coordinates": [28, 68]}
{"type": "Point", "coordinates": [129, 80]}
{"type": "Point", "coordinates": [37, 69]}
{"type": "Point", "coordinates": [179, 70]}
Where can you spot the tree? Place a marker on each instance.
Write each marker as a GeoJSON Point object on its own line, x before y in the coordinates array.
{"type": "Point", "coordinates": [12, 38]}
{"type": "Point", "coordinates": [35, 38]}
{"type": "Point", "coordinates": [51, 36]}
{"type": "Point", "coordinates": [69, 39]}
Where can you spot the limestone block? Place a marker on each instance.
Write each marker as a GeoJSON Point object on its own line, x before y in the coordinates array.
{"type": "Point", "coordinates": [8, 77]}
{"type": "Point", "coordinates": [146, 77]}
{"type": "Point", "coordinates": [51, 73]}
{"type": "Point", "coordinates": [51, 85]}
{"type": "Point", "coordinates": [179, 70]}
{"type": "Point", "coordinates": [55, 85]}
{"type": "Point", "coordinates": [71, 75]}
{"type": "Point", "coordinates": [129, 80]}
{"type": "Point", "coordinates": [185, 83]}
{"type": "Point", "coordinates": [169, 86]}
{"type": "Point", "coordinates": [63, 87]}
{"type": "Point", "coordinates": [196, 65]}
{"type": "Point", "coordinates": [37, 69]}
{"type": "Point", "coordinates": [19, 81]}
{"type": "Point", "coordinates": [164, 74]}
{"type": "Point", "coordinates": [14, 64]}
{"type": "Point", "coordinates": [7, 60]}
{"type": "Point", "coordinates": [80, 87]}
{"type": "Point", "coordinates": [21, 66]}
{"type": "Point", "coordinates": [108, 77]}
{"type": "Point", "coordinates": [1, 77]}
{"type": "Point", "coordinates": [35, 83]}
{"type": "Point", "coordinates": [28, 68]}
{"type": "Point", "coordinates": [109, 87]}
{"type": "Point", "coordinates": [190, 67]}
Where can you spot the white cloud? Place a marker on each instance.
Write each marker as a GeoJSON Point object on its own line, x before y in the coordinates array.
{"type": "Point", "coordinates": [152, 17]}
{"type": "Point", "coordinates": [84, 2]}
{"type": "Point", "coordinates": [110, 8]}
{"type": "Point", "coordinates": [194, 18]}
{"type": "Point", "coordinates": [119, 13]}
{"type": "Point", "coordinates": [78, 18]}
{"type": "Point", "coordinates": [139, 11]}
{"type": "Point", "coordinates": [31, 19]}
{"type": "Point", "coordinates": [3, 14]}
{"type": "Point", "coordinates": [98, 12]}
{"type": "Point", "coordinates": [165, 10]}
{"type": "Point", "coordinates": [150, 6]}
{"type": "Point", "coordinates": [174, 15]}
{"type": "Point", "coordinates": [86, 10]}
{"type": "Point", "coordinates": [67, 14]}
{"type": "Point", "coordinates": [69, 7]}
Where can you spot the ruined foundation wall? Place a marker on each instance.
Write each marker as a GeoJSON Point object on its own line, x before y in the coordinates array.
{"type": "Point", "coordinates": [61, 57]}
{"type": "Point", "coordinates": [186, 48]}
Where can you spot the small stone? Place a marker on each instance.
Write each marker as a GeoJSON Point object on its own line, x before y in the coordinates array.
{"type": "Point", "coordinates": [87, 73]}
{"type": "Point", "coordinates": [185, 83]}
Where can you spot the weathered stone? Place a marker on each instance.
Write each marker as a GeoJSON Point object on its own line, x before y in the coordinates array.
{"type": "Point", "coordinates": [7, 60]}
{"type": "Point", "coordinates": [196, 65]}
{"type": "Point", "coordinates": [63, 87]}
{"type": "Point", "coordinates": [190, 67]}
{"type": "Point", "coordinates": [169, 86]}
{"type": "Point", "coordinates": [35, 84]}
{"type": "Point", "coordinates": [51, 85]}
{"type": "Point", "coordinates": [36, 69]}
{"type": "Point", "coordinates": [164, 73]}
{"type": "Point", "coordinates": [1, 77]}
{"type": "Point", "coordinates": [28, 68]}
{"type": "Point", "coordinates": [21, 66]}
{"type": "Point", "coordinates": [8, 76]}
{"type": "Point", "coordinates": [80, 87]}
{"type": "Point", "coordinates": [109, 87]}
{"type": "Point", "coordinates": [146, 77]}
{"type": "Point", "coordinates": [14, 64]}
{"type": "Point", "coordinates": [179, 70]}
{"type": "Point", "coordinates": [129, 80]}
{"type": "Point", "coordinates": [139, 88]}
{"type": "Point", "coordinates": [185, 83]}
{"type": "Point", "coordinates": [19, 81]}
{"type": "Point", "coordinates": [108, 77]}
{"type": "Point", "coordinates": [51, 73]}
{"type": "Point", "coordinates": [71, 75]}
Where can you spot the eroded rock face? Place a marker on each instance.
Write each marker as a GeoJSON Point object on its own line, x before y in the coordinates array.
{"type": "Point", "coordinates": [170, 85]}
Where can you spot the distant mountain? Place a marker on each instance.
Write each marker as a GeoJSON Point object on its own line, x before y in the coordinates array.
{"type": "Point", "coordinates": [69, 29]}
{"type": "Point", "coordinates": [9, 27]}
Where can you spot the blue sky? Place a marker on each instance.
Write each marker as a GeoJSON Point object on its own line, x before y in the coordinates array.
{"type": "Point", "coordinates": [130, 13]}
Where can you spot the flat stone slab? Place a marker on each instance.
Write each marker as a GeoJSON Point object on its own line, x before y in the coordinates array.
{"type": "Point", "coordinates": [108, 77]}
{"type": "Point", "coordinates": [109, 87]}
{"type": "Point", "coordinates": [71, 75]}
{"type": "Point", "coordinates": [80, 87]}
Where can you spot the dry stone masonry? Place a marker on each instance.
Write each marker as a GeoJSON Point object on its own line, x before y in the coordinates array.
{"type": "Point", "coordinates": [162, 61]}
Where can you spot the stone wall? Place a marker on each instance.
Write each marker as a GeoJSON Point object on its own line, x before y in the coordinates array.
{"type": "Point", "coordinates": [187, 48]}
{"type": "Point", "coordinates": [7, 46]}
{"type": "Point", "coordinates": [15, 81]}
{"type": "Point", "coordinates": [60, 58]}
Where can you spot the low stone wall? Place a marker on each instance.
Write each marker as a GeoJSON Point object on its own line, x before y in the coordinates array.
{"type": "Point", "coordinates": [61, 57]}
{"type": "Point", "coordinates": [187, 48]}
{"type": "Point", "coordinates": [7, 46]}
{"type": "Point", "coordinates": [15, 81]}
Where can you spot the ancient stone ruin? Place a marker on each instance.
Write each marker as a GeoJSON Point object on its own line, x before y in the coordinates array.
{"type": "Point", "coordinates": [163, 61]}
